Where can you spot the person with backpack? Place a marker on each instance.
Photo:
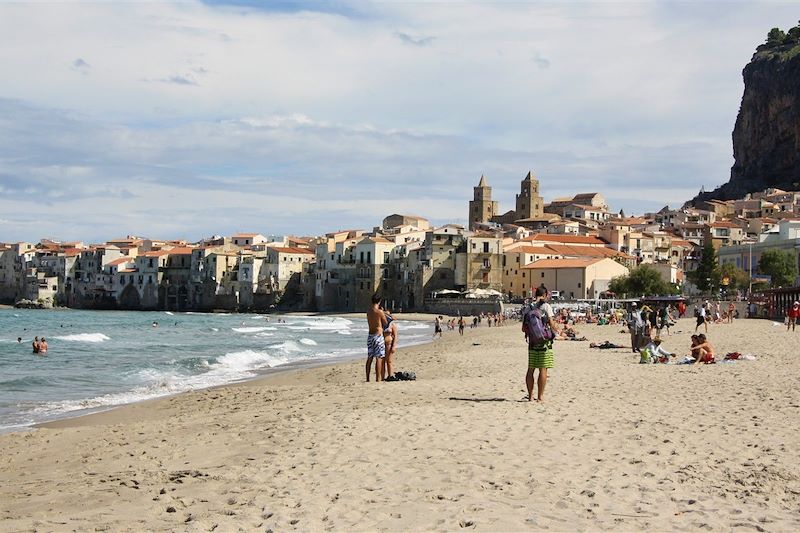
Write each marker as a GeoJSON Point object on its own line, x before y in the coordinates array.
{"type": "Point", "coordinates": [539, 329]}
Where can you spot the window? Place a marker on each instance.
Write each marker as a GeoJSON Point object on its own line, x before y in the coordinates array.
{"type": "Point", "coordinates": [542, 274]}
{"type": "Point", "coordinates": [486, 247]}
{"type": "Point", "coordinates": [369, 257]}
{"type": "Point", "coordinates": [385, 257]}
{"type": "Point", "coordinates": [579, 284]}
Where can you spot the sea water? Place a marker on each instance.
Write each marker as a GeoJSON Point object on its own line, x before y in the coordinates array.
{"type": "Point", "coordinates": [99, 359]}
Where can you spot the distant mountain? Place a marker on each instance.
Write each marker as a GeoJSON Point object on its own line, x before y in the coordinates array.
{"type": "Point", "coordinates": [766, 138]}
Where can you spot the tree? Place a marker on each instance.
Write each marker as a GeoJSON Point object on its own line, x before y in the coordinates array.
{"type": "Point", "coordinates": [736, 277]}
{"type": "Point", "coordinates": [775, 37]}
{"type": "Point", "coordinates": [780, 265]}
{"type": "Point", "coordinates": [643, 280]}
{"type": "Point", "coordinates": [706, 277]}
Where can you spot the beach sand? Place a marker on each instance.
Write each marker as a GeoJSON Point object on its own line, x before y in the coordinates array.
{"type": "Point", "coordinates": [616, 446]}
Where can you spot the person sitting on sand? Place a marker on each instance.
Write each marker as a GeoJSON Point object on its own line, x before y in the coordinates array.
{"type": "Point", "coordinates": [704, 351]}
{"type": "Point", "coordinates": [654, 353]}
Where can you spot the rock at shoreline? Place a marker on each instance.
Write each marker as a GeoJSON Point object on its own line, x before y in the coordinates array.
{"type": "Point", "coordinates": [30, 304]}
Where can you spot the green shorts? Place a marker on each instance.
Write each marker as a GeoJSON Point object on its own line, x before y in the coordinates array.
{"type": "Point", "coordinates": [540, 356]}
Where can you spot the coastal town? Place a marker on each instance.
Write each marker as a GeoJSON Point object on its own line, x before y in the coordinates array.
{"type": "Point", "coordinates": [575, 246]}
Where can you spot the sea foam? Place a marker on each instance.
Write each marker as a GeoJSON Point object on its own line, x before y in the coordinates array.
{"type": "Point", "coordinates": [85, 337]}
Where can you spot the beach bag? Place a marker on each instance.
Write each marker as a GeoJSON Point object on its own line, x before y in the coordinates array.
{"type": "Point", "coordinates": [535, 327]}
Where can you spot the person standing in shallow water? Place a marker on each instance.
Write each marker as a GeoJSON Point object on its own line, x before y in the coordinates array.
{"type": "Point", "coordinates": [540, 356]}
{"type": "Point", "coordinates": [35, 345]}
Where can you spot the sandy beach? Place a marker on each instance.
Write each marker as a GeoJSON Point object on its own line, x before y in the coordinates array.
{"type": "Point", "coordinates": [617, 446]}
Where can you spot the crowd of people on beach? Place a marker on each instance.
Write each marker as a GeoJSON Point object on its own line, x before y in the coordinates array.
{"type": "Point", "coordinates": [542, 325]}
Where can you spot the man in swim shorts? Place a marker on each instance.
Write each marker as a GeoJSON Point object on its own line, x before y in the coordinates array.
{"type": "Point", "coordinates": [376, 346]}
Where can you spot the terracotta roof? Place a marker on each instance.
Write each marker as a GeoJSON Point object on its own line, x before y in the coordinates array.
{"type": "Point", "coordinates": [121, 261]}
{"type": "Point", "coordinates": [180, 250]}
{"type": "Point", "coordinates": [127, 271]}
{"type": "Point", "coordinates": [681, 242]}
{"type": "Point", "coordinates": [566, 239]}
{"type": "Point", "coordinates": [292, 250]}
{"type": "Point", "coordinates": [157, 253]}
{"type": "Point", "coordinates": [585, 251]}
{"type": "Point", "coordinates": [562, 263]}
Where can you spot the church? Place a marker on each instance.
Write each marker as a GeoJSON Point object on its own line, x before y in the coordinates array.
{"type": "Point", "coordinates": [483, 209]}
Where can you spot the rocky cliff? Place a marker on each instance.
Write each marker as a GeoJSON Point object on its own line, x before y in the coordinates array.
{"type": "Point", "coordinates": [766, 138]}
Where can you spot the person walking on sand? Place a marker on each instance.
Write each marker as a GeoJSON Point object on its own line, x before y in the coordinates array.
{"type": "Point", "coordinates": [540, 353]}
{"type": "Point", "coordinates": [437, 326]}
{"type": "Point", "coordinates": [701, 318]}
{"type": "Point", "coordinates": [376, 347]}
{"type": "Point", "coordinates": [461, 326]}
{"type": "Point", "coordinates": [793, 314]}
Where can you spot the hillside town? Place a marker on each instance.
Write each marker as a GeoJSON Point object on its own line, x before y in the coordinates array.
{"type": "Point", "coordinates": [573, 245]}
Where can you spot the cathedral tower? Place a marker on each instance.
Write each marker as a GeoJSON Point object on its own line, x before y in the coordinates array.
{"type": "Point", "coordinates": [481, 207]}
{"type": "Point", "coordinates": [529, 203]}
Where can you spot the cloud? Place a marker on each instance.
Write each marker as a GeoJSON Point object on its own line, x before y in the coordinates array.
{"type": "Point", "coordinates": [298, 114]}
{"type": "Point", "coordinates": [179, 80]}
{"type": "Point", "coordinates": [81, 66]}
{"type": "Point", "coordinates": [541, 61]}
{"type": "Point", "coordinates": [416, 41]}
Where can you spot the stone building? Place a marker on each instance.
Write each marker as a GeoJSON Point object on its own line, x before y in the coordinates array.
{"type": "Point", "coordinates": [482, 209]}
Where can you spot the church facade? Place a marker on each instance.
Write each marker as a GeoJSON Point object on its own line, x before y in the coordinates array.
{"type": "Point", "coordinates": [483, 209]}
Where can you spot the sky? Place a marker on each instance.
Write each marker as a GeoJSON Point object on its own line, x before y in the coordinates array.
{"type": "Point", "coordinates": [189, 119]}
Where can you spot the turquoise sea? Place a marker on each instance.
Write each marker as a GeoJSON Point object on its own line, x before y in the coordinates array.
{"type": "Point", "coordinates": [99, 359]}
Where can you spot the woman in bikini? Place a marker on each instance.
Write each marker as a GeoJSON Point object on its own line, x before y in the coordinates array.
{"type": "Point", "coordinates": [390, 339]}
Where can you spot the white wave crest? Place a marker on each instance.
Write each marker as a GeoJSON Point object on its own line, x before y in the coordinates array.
{"type": "Point", "coordinates": [247, 360]}
{"type": "Point", "coordinates": [85, 337]}
{"type": "Point", "coordinates": [413, 325]}
{"type": "Point", "coordinates": [308, 342]}
{"type": "Point", "coordinates": [253, 329]}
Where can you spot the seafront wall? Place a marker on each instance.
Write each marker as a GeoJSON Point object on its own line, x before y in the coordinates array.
{"type": "Point", "coordinates": [462, 306]}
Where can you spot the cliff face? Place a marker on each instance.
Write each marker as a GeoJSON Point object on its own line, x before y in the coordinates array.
{"type": "Point", "coordinates": [766, 138]}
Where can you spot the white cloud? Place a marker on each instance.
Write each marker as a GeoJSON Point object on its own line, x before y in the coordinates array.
{"type": "Point", "coordinates": [402, 107]}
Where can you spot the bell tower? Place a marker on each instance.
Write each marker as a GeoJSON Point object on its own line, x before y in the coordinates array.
{"type": "Point", "coordinates": [529, 203]}
{"type": "Point", "coordinates": [481, 207]}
